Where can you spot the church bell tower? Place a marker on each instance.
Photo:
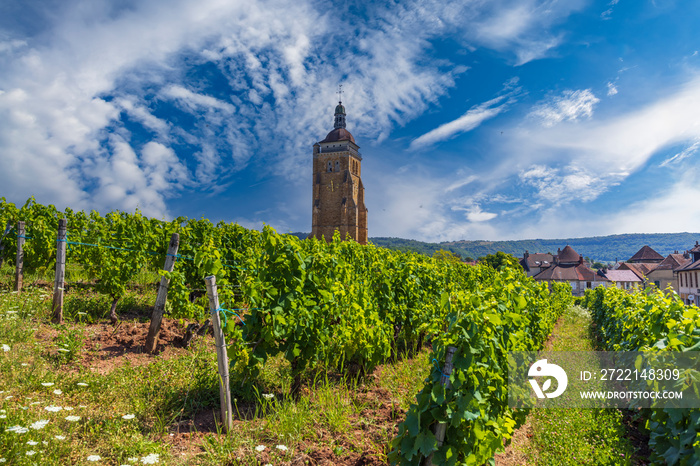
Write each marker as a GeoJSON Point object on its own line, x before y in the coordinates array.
{"type": "Point", "coordinates": [338, 193]}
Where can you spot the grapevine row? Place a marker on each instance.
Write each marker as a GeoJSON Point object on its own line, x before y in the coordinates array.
{"type": "Point", "coordinates": [653, 321]}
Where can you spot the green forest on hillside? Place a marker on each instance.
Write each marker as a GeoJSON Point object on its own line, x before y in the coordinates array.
{"type": "Point", "coordinates": [599, 248]}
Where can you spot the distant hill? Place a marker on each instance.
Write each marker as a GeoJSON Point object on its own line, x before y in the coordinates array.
{"type": "Point", "coordinates": [600, 248]}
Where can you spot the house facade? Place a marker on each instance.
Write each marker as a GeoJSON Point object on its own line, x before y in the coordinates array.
{"type": "Point", "coordinates": [568, 266]}
{"type": "Point", "coordinates": [665, 275]}
{"type": "Point", "coordinates": [688, 284]}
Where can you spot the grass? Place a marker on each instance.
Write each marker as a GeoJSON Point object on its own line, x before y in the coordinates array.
{"type": "Point", "coordinates": [578, 436]}
{"type": "Point", "coordinates": [130, 413]}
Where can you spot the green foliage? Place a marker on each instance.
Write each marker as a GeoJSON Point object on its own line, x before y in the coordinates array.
{"type": "Point", "coordinates": [448, 256]}
{"type": "Point", "coordinates": [501, 259]}
{"type": "Point", "coordinates": [644, 321]}
{"type": "Point", "coordinates": [506, 312]}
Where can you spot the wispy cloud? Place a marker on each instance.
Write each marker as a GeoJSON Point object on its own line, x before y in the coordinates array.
{"type": "Point", "coordinates": [607, 14]}
{"type": "Point", "coordinates": [612, 89]}
{"type": "Point", "coordinates": [684, 154]}
{"type": "Point", "coordinates": [570, 106]}
{"type": "Point", "coordinates": [562, 186]}
{"type": "Point", "coordinates": [471, 119]}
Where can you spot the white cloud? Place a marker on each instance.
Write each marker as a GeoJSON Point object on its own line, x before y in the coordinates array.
{"type": "Point", "coordinates": [622, 143]}
{"type": "Point", "coordinates": [570, 106]}
{"type": "Point", "coordinates": [467, 122]}
{"type": "Point", "coordinates": [475, 214]}
{"type": "Point", "coordinates": [67, 85]}
{"type": "Point", "coordinates": [522, 27]}
{"type": "Point", "coordinates": [684, 154]}
{"type": "Point", "coordinates": [612, 89]}
{"type": "Point", "coordinates": [668, 212]}
{"type": "Point", "coordinates": [561, 186]}
{"type": "Point", "coordinates": [193, 101]}
{"type": "Point", "coordinates": [471, 119]}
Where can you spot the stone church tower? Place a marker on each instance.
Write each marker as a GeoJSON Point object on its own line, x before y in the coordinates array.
{"type": "Point", "coordinates": [338, 194]}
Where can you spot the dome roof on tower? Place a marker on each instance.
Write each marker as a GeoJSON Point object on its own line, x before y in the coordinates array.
{"type": "Point", "coordinates": [339, 108]}
{"type": "Point", "coordinates": [339, 134]}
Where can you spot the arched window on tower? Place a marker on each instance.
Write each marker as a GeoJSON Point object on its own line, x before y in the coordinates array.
{"type": "Point", "coordinates": [337, 166]}
{"type": "Point", "coordinates": [330, 166]}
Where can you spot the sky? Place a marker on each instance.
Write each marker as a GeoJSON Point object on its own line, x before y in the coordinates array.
{"type": "Point", "coordinates": [476, 120]}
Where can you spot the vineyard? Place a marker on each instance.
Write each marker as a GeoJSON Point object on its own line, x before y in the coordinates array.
{"type": "Point", "coordinates": [341, 332]}
{"type": "Point", "coordinates": [337, 309]}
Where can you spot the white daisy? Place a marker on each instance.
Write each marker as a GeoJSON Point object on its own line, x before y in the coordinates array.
{"type": "Point", "coordinates": [150, 459]}
{"type": "Point", "coordinates": [260, 448]}
{"type": "Point", "coordinates": [17, 429]}
{"type": "Point", "coordinates": [94, 458]}
{"type": "Point", "coordinates": [5, 348]}
{"type": "Point", "coordinates": [73, 418]}
{"type": "Point", "coordinates": [57, 392]}
{"type": "Point", "coordinates": [282, 447]}
{"type": "Point", "coordinates": [39, 424]}
{"type": "Point", "coordinates": [60, 437]}
{"type": "Point", "coordinates": [53, 409]}
{"type": "Point", "coordinates": [128, 416]}
{"type": "Point", "coordinates": [47, 384]}
{"type": "Point", "coordinates": [30, 453]}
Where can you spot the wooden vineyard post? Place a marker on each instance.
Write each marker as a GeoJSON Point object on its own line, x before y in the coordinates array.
{"type": "Point", "coordinates": [221, 356]}
{"type": "Point", "coordinates": [19, 262]}
{"type": "Point", "coordinates": [441, 427]}
{"type": "Point", "coordinates": [60, 280]}
{"type": "Point", "coordinates": [159, 307]}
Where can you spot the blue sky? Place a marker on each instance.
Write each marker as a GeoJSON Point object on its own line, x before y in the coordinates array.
{"type": "Point", "coordinates": [504, 119]}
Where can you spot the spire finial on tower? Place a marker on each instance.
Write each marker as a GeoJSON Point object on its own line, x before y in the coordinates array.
{"type": "Point", "coordinates": [339, 110]}
{"type": "Point", "coordinates": [340, 92]}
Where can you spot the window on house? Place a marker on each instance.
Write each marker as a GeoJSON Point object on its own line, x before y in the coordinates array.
{"type": "Point", "coordinates": [657, 284]}
{"type": "Point", "coordinates": [330, 166]}
{"type": "Point", "coordinates": [337, 166]}
{"type": "Point", "coordinates": [588, 284]}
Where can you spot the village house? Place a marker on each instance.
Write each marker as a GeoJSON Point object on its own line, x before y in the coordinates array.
{"type": "Point", "coordinates": [536, 263]}
{"type": "Point", "coordinates": [566, 266]}
{"type": "Point", "coordinates": [642, 263]}
{"type": "Point", "coordinates": [688, 285]}
{"type": "Point", "coordinates": [665, 275]}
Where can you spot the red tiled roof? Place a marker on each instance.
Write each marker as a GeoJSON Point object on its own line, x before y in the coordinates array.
{"type": "Point", "coordinates": [568, 256]}
{"type": "Point", "coordinates": [537, 260]}
{"type": "Point", "coordinates": [640, 269]}
{"type": "Point", "coordinates": [673, 262]}
{"type": "Point", "coordinates": [691, 266]}
{"type": "Point", "coordinates": [646, 254]}
{"type": "Point", "coordinates": [567, 272]}
{"type": "Point", "coordinates": [339, 134]}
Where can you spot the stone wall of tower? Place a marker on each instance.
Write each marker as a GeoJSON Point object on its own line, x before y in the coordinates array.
{"type": "Point", "coordinates": [338, 193]}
